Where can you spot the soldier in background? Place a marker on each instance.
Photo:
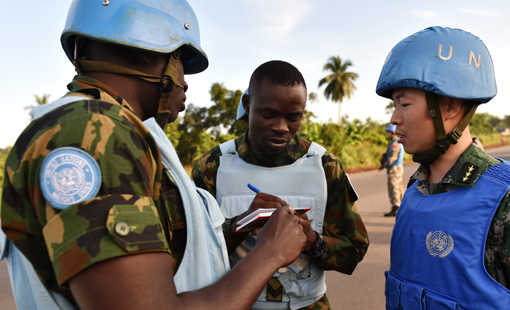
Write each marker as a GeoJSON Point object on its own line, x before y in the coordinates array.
{"type": "Point", "coordinates": [393, 161]}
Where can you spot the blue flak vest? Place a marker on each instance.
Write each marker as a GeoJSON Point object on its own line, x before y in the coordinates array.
{"type": "Point", "coordinates": [438, 247]}
{"type": "Point", "coordinates": [400, 159]}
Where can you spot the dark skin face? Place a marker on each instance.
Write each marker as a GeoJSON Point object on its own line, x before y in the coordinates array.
{"type": "Point", "coordinates": [274, 115]}
{"type": "Point", "coordinates": [143, 96]}
{"type": "Point", "coordinates": [177, 98]}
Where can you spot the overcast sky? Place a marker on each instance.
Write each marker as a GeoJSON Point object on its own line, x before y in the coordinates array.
{"type": "Point", "coordinates": [239, 35]}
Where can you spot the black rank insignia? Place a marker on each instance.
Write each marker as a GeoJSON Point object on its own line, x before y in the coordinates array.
{"type": "Point", "coordinates": [274, 290]}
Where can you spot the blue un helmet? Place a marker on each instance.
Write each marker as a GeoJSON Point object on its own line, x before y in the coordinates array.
{"type": "Point", "coordinates": [441, 61]}
{"type": "Point", "coordinates": [161, 26]}
{"type": "Point", "coordinates": [391, 128]}
{"type": "Point", "coordinates": [150, 25]}
{"type": "Point", "coordinates": [240, 109]}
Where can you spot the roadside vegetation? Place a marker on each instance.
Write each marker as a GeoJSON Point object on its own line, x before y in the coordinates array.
{"type": "Point", "coordinates": [358, 144]}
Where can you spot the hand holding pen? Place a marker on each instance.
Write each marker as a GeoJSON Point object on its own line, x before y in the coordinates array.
{"type": "Point", "coordinates": [307, 229]}
{"type": "Point", "coordinates": [261, 201]}
{"type": "Point", "coordinates": [256, 190]}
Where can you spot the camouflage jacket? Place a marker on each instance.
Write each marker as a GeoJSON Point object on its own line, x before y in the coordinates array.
{"type": "Point", "coordinates": [135, 189]}
{"type": "Point", "coordinates": [497, 247]}
{"type": "Point", "coordinates": [344, 231]}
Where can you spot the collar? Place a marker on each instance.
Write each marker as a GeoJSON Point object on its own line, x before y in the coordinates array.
{"type": "Point", "coordinates": [97, 90]}
{"type": "Point", "coordinates": [469, 166]}
{"type": "Point", "coordinates": [294, 150]}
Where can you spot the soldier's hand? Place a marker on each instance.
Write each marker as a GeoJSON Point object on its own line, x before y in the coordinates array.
{"type": "Point", "coordinates": [261, 201]}
{"type": "Point", "coordinates": [265, 201]}
{"type": "Point", "coordinates": [282, 237]}
{"type": "Point", "coordinates": [309, 232]}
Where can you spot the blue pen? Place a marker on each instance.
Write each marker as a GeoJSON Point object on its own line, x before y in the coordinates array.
{"type": "Point", "coordinates": [253, 188]}
{"type": "Point", "coordinates": [256, 190]}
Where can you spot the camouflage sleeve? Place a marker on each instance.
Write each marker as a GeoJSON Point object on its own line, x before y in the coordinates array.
{"type": "Point", "coordinates": [344, 230]}
{"type": "Point", "coordinates": [121, 219]}
{"type": "Point", "coordinates": [497, 247]}
{"type": "Point", "coordinates": [204, 171]}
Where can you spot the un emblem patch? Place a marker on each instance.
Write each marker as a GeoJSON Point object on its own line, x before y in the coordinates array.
{"type": "Point", "coordinates": [439, 243]}
{"type": "Point", "coordinates": [69, 176]}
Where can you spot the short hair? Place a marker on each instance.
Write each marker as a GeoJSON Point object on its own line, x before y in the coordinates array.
{"type": "Point", "coordinates": [278, 72]}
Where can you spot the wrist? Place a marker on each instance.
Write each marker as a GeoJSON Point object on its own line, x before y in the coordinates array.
{"type": "Point", "coordinates": [271, 256]}
{"type": "Point", "coordinates": [240, 235]}
{"type": "Point", "coordinates": [318, 247]}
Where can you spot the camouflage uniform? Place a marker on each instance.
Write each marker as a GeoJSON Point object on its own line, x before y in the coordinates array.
{"type": "Point", "coordinates": [344, 231]}
{"type": "Point", "coordinates": [395, 174]}
{"type": "Point", "coordinates": [497, 247]}
{"type": "Point", "coordinates": [135, 189]}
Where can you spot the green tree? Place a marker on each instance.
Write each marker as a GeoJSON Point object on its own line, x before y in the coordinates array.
{"type": "Point", "coordinates": [389, 108]}
{"type": "Point", "coordinates": [481, 124]}
{"type": "Point", "coordinates": [221, 116]}
{"type": "Point", "coordinates": [202, 128]}
{"type": "Point", "coordinates": [44, 99]}
{"type": "Point", "coordinates": [506, 121]}
{"type": "Point", "coordinates": [313, 97]}
{"type": "Point", "coordinates": [340, 83]}
{"type": "Point", "coordinates": [193, 140]}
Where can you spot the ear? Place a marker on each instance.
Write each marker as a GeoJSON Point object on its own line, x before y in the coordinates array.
{"type": "Point", "coordinates": [246, 104]}
{"type": "Point", "coordinates": [451, 109]}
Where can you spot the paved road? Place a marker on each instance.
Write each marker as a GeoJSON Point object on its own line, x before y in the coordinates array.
{"type": "Point", "coordinates": [364, 289]}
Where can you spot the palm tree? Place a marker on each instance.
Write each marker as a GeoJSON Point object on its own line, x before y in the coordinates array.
{"type": "Point", "coordinates": [339, 82]}
{"type": "Point", "coordinates": [44, 99]}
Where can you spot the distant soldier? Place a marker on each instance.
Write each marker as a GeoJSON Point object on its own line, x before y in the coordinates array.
{"type": "Point", "coordinates": [393, 161]}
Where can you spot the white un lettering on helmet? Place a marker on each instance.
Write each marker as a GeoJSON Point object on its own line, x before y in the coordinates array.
{"type": "Point", "coordinates": [69, 176]}
{"type": "Point", "coordinates": [441, 60]}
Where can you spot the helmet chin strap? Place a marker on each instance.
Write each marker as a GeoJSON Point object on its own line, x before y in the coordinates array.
{"type": "Point", "coordinates": [168, 80]}
{"type": "Point", "coordinates": [443, 140]}
{"type": "Point", "coordinates": [171, 71]}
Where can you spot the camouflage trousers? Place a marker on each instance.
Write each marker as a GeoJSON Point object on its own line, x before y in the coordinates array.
{"type": "Point", "coordinates": [395, 187]}
{"type": "Point", "coordinates": [321, 304]}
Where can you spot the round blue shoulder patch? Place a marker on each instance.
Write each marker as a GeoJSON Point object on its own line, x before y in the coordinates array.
{"type": "Point", "coordinates": [69, 176]}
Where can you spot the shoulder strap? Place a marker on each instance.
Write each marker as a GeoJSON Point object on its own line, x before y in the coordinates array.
{"type": "Point", "coordinates": [315, 150]}
{"type": "Point", "coordinates": [499, 172]}
{"type": "Point", "coordinates": [228, 147]}
{"type": "Point", "coordinates": [46, 108]}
